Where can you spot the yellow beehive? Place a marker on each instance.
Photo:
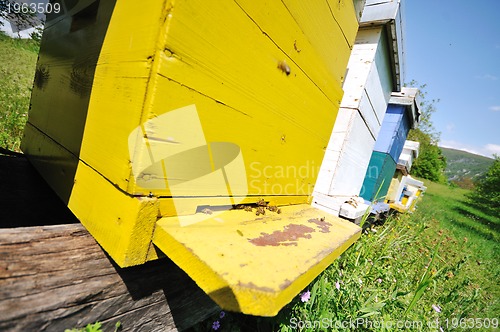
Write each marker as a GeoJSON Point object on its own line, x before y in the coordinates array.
{"type": "Point", "coordinates": [153, 120]}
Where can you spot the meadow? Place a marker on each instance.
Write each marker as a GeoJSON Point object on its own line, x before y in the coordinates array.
{"type": "Point", "coordinates": [17, 70]}
{"type": "Point", "coordinates": [434, 269]}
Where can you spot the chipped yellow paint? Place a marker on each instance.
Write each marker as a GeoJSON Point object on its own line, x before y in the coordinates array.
{"type": "Point", "coordinates": [256, 264]}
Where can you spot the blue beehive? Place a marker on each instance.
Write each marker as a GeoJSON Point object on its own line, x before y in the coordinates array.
{"type": "Point", "coordinates": [393, 132]}
{"type": "Point", "coordinates": [402, 114]}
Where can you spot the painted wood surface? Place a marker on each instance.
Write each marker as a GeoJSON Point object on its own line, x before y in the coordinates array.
{"type": "Point", "coordinates": [256, 263]}
{"type": "Point", "coordinates": [409, 153]}
{"type": "Point", "coordinates": [394, 192]}
{"type": "Point", "coordinates": [347, 157]}
{"type": "Point", "coordinates": [53, 275]}
{"type": "Point", "coordinates": [393, 132]}
{"type": "Point", "coordinates": [232, 68]}
{"type": "Point", "coordinates": [407, 192]}
{"type": "Point", "coordinates": [369, 69]}
{"type": "Point", "coordinates": [368, 89]}
{"type": "Point", "coordinates": [391, 14]}
{"type": "Point", "coordinates": [378, 176]}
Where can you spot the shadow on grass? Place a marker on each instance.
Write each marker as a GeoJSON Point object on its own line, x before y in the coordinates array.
{"type": "Point", "coordinates": [483, 208]}
{"type": "Point", "coordinates": [474, 222]}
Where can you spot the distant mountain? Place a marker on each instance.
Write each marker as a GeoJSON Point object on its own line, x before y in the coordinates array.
{"type": "Point", "coordinates": [463, 167]}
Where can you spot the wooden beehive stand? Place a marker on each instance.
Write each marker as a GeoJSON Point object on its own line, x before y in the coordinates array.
{"type": "Point", "coordinates": [56, 276]}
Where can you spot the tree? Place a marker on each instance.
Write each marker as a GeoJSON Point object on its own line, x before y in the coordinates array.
{"type": "Point", "coordinates": [486, 193]}
{"type": "Point", "coordinates": [19, 14]}
{"type": "Point", "coordinates": [430, 163]}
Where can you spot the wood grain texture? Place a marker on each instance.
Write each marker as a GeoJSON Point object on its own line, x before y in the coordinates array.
{"type": "Point", "coordinates": [57, 277]}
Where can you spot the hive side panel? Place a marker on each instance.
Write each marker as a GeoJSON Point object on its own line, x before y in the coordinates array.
{"type": "Point", "coordinates": [273, 16]}
{"type": "Point", "coordinates": [394, 189]}
{"type": "Point", "coordinates": [242, 95]}
{"type": "Point", "coordinates": [120, 86]}
{"type": "Point", "coordinates": [378, 94]}
{"type": "Point", "coordinates": [361, 60]}
{"type": "Point", "coordinates": [352, 166]}
{"type": "Point", "coordinates": [315, 18]}
{"type": "Point", "coordinates": [70, 47]}
{"type": "Point", "coordinates": [378, 176]}
{"type": "Point", "coordinates": [400, 137]}
{"type": "Point", "coordinates": [367, 112]}
{"type": "Point", "coordinates": [389, 129]}
{"type": "Point", "coordinates": [384, 70]}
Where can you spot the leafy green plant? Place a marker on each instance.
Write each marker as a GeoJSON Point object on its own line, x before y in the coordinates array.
{"type": "Point", "coordinates": [96, 327]}
{"type": "Point", "coordinates": [487, 190]}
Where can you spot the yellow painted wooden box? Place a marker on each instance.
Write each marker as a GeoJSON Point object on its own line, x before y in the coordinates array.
{"type": "Point", "coordinates": [197, 127]}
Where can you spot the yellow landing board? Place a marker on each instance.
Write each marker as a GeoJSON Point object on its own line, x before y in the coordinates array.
{"type": "Point", "coordinates": [398, 207]}
{"type": "Point", "coordinates": [255, 264]}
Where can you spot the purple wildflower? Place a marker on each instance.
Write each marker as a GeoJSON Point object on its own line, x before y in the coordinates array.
{"type": "Point", "coordinates": [305, 296]}
{"type": "Point", "coordinates": [222, 314]}
{"type": "Point", "coordinates": [337, 285]}
{"type": "Point", "coordinates": [216, 325]}
{"type": "Point", "coordinates": [436, 308]}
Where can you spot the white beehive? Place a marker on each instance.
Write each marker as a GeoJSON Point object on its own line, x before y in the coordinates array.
{"type": "Point", "coordinates": [373, 72]}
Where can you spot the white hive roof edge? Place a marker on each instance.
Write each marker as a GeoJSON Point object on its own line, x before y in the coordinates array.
{"type": "Point", "coordinates": [390, 14]}
{"type": "Point", "coordinates": [409, 97]}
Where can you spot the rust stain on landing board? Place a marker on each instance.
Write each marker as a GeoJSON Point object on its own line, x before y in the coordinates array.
{"type": "Point", "coordinates": [291, 233]}
{"type": "Point", "coordinates": [287, 237]}
{"type": "Point", "coordinates": [322, 224]}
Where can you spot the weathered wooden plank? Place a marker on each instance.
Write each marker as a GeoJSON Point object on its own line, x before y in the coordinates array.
{"type": "Point", "coordinates": [56, 277]}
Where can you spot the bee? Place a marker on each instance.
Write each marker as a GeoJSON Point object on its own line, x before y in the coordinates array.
{"type": "Point", "coordinates": [248, 208]}
{"type": "Point", "coordinates": [273, 208]}
{"type": "Point", "coordinates": [260, 210]}
{"type": "Point", "coordinates": [261, 202]}
{"type": "Point", "coordinates": [283, 66]}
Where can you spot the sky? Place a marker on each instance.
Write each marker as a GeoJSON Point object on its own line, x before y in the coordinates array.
{"type": "Point", "coordinates": [453, 46]}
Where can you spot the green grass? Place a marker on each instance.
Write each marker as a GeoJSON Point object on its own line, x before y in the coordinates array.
{"type": "Point", "coordinates": [445, 255]}
{"type": "Point", "coordinates": [17, 69]}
